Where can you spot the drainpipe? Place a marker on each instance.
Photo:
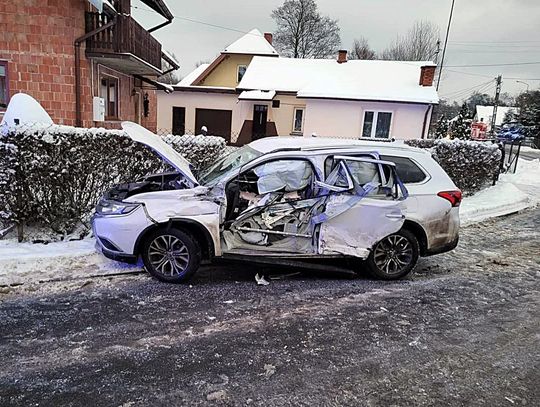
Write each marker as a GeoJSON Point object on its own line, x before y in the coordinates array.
{"type": "Point", "coordinates": [428, 110]}
{"type": "Point", "coordinates": [77, 45]}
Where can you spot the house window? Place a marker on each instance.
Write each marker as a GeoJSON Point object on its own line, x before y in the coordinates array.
{"type": "Point", "coordinates": [377, 124]}
{"type": "Point", "coordinates": [109, 92]}
{"type": "Point", "coordinates": [240, 73]}
{"type": "Point", "coordinates": [4, 92]}
{"type": "Point", "coordinates": [298, 120]}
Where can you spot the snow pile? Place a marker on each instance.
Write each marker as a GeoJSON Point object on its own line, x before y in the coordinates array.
{"type": "Point", "coordinates": [470, 164]}
{"type": "Point", "coordinates": [27, 263]}
{"type": "Point", "coordinates": [513, 192]}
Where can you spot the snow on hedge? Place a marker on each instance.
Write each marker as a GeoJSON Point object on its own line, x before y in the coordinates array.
{"type": "Point", "coordinates": [54, 175]}
{"type": "Point", "coordinates": [199, 150]}
{"type": "Point", "coordinates": [472, 165]}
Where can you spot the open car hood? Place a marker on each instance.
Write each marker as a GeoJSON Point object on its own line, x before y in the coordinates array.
{"type": "Point", "coordinates": [141, 135]}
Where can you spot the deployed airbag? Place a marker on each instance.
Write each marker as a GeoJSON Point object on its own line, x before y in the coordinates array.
{"type": "Point", "coordinates": [290, 175]}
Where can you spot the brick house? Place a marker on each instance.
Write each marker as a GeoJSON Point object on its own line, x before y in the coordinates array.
{"type": "Point", "coordinates": [87, 67]}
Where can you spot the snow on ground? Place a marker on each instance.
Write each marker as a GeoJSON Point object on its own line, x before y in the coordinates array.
{"type": "Point", "coordinates": [513, 192]}
{"type": "Point", "coordinates": [23, 263]}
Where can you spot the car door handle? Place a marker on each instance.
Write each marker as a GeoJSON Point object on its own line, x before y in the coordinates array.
{"type": "Point", "coordinates": [395, 216]}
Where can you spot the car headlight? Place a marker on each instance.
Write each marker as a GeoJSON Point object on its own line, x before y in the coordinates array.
{"type": "Point", "coordinates": [115, 208]}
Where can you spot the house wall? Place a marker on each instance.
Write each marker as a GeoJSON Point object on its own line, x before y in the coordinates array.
{"type": "Point", "coordinates": [191, 101]}
{"type": "Point", "coordinates": [326, 118]}
{"type": "Point", "coordinates": [344, 119]}
{"type": "Point", "coordinates": [241, 110]}
{"type": "Point", "coordinates": [37, 40]}
{"type": "Point", "coordinates": [226, 73]}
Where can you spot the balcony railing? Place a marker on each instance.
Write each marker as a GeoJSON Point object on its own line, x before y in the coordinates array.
{"type": "Point", "coordinates": [125, 37]}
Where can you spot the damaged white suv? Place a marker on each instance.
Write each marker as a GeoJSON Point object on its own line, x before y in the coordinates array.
{"type": "Point", "coordinates": [283, 198]}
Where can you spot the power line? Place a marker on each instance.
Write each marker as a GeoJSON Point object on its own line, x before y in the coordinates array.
{"type": "Point", "coordinates": [491, 76]}
{"type": "Point", "coordinates": [445, 44]}
{"type": "Point", "coordinates": [192, 20]}
{"type": "Point", "coordinates": [471, 74]}
{"type": "Point", "coordinates": [505, 64]}
{"type": "Point", "coordinates": [477, 87]}
{"type": "Point", "coordinates": [466, 95]}
{"type": "Point", "coordinates": [495, 42]}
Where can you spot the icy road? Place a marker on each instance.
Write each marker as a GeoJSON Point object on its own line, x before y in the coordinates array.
{"type": "Point", "coordinates": [463, 330]}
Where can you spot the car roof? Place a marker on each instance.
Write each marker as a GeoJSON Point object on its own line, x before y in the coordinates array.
{"type": "Point", "coordinates": [270, 144]}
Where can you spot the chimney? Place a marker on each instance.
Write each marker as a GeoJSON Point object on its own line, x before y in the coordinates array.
{"type": "Point", "coordinates": [268, 37]}
{"type": "Point", "coordinates": [342, 56]}
{"type": "Point", "coordinates": [427, 74]}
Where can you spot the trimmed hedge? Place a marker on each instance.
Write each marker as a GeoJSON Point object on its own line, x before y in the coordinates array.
{"type": "Point", "coordinates": [53, 176]}
{"type": "Point", "coordinates": [470, 164]}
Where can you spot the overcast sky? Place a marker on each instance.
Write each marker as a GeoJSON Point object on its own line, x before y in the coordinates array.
{"type": "Point", "coordinates": [482, 32]}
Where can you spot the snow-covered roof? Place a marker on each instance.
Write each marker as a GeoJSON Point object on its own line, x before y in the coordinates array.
{"type": "Point", "coordinates": [188, 80]}
{"type": "Point", "coordinates": [251, 43]}
{"type": "Point", "coordinates": [484, 113]}
{"type": "Point", "coordinates": [257, 95]}
{"type": "Point", "coordinates": [355, 79]}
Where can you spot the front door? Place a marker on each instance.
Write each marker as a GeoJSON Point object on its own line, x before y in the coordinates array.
{"type": "Point", "coordinates": [260, 116]}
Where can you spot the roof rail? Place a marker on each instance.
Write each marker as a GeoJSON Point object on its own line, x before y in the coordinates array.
{"type": "Point", "coordinates": [383, 140]}
{"type": "Point", "coordinates": [277, 150]}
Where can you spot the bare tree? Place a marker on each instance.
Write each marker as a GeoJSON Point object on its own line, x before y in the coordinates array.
{"type": "Point", "coordinates": [419, 44]}
{"type": "Point", "coordinates": [302, 32]}
{"type": "Point", "coordinates": [362, 50]}
{"type": "Point", "coordinates": [171, 78]}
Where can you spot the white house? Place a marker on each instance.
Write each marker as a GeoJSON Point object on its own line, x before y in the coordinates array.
{"type": "Point", "coordinates": [250, 92]}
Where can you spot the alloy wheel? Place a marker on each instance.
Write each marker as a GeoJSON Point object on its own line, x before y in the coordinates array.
{"type": "Point", "coordinates": [393, 254]}
{"type": "Point", "coordinates": [168, 255]}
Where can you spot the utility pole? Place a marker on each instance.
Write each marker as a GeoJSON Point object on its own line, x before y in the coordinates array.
{"type": "Point", "coordinates": [445, 44]}
{"type": "Point", "coordinates": [495, 104]}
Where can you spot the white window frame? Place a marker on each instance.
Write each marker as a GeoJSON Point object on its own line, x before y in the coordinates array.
{"type": "Point", "coordinates": [374, 125]}
{"type": "Point", "coordinates": [303, 109]}
{"type": "Point", "coordinates": [238, 72]}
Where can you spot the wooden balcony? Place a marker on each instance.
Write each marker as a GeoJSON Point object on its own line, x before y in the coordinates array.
{"type": "Point", "coordinates": [126, 46]}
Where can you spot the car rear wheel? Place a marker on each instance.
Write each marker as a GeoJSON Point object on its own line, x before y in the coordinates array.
{"type": "Point", "coordinates": [394, 256]}
{"type": "Point", "coordinates": [171, 255]}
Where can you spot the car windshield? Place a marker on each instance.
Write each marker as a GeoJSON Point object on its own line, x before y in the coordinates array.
{"type": "Point", "coordinates": [226, 165]}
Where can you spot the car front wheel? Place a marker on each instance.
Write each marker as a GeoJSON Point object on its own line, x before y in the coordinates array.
{"type": "Point", "coordinates": [394, 256]}
{"type": "Point", "coordinates": [171, 255]}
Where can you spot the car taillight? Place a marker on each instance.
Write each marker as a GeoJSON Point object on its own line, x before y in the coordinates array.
{"type": "Point", "coordinates": [454, 197]}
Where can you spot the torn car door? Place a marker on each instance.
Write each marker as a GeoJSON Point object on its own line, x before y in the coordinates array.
{"type": "Point", "coordinates": [353, 221]}
{"type": "Point", "coordinates": [276, 204]}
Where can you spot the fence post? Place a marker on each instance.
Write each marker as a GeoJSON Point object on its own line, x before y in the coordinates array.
{"type": "Point", "coordinates": [517, 156]}
{"type": "Point", "coordinates": [501, 163]}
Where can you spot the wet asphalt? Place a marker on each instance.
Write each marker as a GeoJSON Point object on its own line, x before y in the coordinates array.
{"type": "Point", "coordinates": [463, 330]}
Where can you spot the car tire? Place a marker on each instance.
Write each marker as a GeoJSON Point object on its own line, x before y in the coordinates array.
{"type": "Point", "coordinates": [394, 257]}
{"type": "Point", "coordinates": [171, 255]}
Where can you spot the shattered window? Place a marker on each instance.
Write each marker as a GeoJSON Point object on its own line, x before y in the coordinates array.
{"type": "Point", "coordinates": [227, 165]}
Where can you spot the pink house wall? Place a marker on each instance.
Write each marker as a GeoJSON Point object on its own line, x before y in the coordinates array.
{"type": "Point", "coordinates": [344, 119]}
